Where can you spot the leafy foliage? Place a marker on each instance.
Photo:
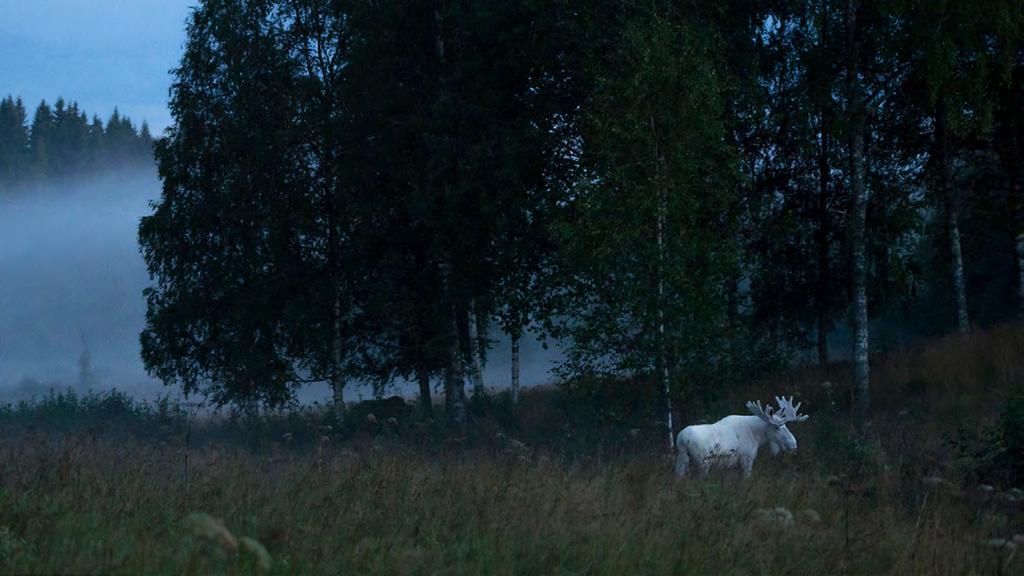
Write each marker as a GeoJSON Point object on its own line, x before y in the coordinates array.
{"type": "Point", "coordinates": [653, 141]}
{"type": "Point", "coordinates": [996, 454]}
{"type": "Point", "coordinates": [697, 191]}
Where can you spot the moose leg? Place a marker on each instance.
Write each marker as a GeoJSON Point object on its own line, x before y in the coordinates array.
{"type": "Point", "coordinates": [682, 461]}
{"type": "Point", "coordinates": [704, 466]}
{"type": "Point", "coordinates": [747, 465]}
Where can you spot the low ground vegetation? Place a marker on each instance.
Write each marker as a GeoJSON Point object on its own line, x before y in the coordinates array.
{"type": "Point", "coordinates": [568, 482]}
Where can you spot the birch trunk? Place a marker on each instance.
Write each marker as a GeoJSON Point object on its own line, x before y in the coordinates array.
{"type": "Point", "coordinates": [1017, 221]}
{"type": "Point", "coordinates": [423, 379]}
{"type": "Point", "coordinates": [454, 381]}
{"type": "Point", "coordinates": [860, 296]}
{"type": "Point", "coordinates": [337, 380]}
{"type": "Point", "coordinates": [822, 239]}
{"type": "Point", "coordinates": [856, 119]}
{"type": "Point", "coordinates": [662, 351]}
{"type": "Point", "coordinates": [515, 366]}
{"type": "Point", "coordinates": [1020, 271]}
{"type": "Point", "coordinates": [455, 386]}
{"type": "Point", "coordinates": [952, 224]}
{"type": "Point", "coordinates": [956, 260]}
{"type": "Point", "coordinates": [476, 371]}
{"type": "Point", "coordinates": [1015, 163]}
{"type": "Point", "coordinates": [1018, 224]}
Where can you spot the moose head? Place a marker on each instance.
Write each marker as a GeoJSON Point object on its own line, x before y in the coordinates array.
{"type": "Point", "coordinates": [778, 435]}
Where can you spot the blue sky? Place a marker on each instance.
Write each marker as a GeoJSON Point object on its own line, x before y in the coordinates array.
{"type": "Point", "coordinates": [101, 53]}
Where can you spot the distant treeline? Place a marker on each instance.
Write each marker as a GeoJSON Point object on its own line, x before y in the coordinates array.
{"type": "Point", "coordinates": [62, 141]}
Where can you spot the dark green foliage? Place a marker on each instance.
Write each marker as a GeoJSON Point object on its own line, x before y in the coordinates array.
{"type": "Point", "coordinates": [842, 451]}
{"type": "Point", "coordinates": [795, 192]}
{"type": "Point", "coordinates": [230, 167]}
{"type": "Point", "coordinates": [653, 150]}
{"type": "Point", "coordinates": [342, 223]}
{"type": "Point", "coordinates": [1011, 431]}
{"type": "Point", "coordinates": [996, 453]}
{"type": "Point", "coordinates": [96, 413]}
{"type": "Point", "coordinates": [666, 189]}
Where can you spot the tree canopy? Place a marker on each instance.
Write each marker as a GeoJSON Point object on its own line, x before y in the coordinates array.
{"type": "Point", "coordinates": [679, 195]}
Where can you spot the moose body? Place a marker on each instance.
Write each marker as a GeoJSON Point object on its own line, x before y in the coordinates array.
{"type": "Point", "coordinates": [734, 441]}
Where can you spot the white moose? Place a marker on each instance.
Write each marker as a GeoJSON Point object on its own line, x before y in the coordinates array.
{"type": "Point", "coordinates": [733, 441]}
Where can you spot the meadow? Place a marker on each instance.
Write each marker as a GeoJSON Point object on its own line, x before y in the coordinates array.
{"type": "Point", "coordinates": [561, 484]}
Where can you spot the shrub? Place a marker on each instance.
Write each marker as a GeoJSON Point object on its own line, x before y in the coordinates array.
{"type": "Point", "coordinates": [840, 449]}
{"type": "Point", "coordinates": [996, 454]}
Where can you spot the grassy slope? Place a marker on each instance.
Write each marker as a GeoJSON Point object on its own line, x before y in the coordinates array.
{"type": "Point", "coordinates": [93, 500]}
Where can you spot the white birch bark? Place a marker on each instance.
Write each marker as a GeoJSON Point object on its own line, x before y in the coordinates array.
{"type": "Point", "coordinates": [515, 366]}
{"type": "Point", "coordinates": [337, 379]}
{"type": "Point", "coordinates": [476, 372]}
{"type": "Point", "coordinates": [822, 239]}
{"type": "Point", "coordinates": [1020, 272]}
{"type": "Point", "coordinates": [663, 356]}
{"type": "Point", "coordinates": [423, 380]}
{"type": "Point", "coordinates": [952, 226]}
{"type": "Point", "coordinates": [860, 297]}
{"type": "Point", "coordinates": [960, 292]}
{"type": "Point", "coordinates": [455, 386]}
{"type": "Point", "coordinates": [856, 117]}
{"type": "Point", "coordinates": [454, 383]}
{"type": "Point", "coordinates": [662, 352]}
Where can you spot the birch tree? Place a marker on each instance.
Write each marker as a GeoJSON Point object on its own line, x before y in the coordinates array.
{"type": "Point", "coordinates": [1010, 138]}
{"type": "Point", "coordinates": [794, 194]}
{"type": "Point", "coordinates": [457, 151]}
{"type": "Point", "coordinates": [948, 54]}
{"type": "Point", "coordinates": [647, 255]}
{"type": "Point", "coordinates": [245, 304]}
{"type": "Point", "coordinates": [855, 114]}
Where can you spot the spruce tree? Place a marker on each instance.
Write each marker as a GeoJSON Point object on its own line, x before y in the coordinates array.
{"type": "Point", "coordinates": [13, 142]}
{"type": "Point", "coordinates": [41, 141]}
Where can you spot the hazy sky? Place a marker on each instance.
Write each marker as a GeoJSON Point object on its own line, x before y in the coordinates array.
{"type": "Point", "coordinates": [101, 53]}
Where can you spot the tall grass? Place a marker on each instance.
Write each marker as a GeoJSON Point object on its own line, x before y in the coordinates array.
{"type": "Point", "coordinates": [572, 498]}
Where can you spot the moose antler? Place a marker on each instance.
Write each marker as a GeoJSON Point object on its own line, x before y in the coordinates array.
{"type": "Point", "coordinates": [765, 413]}
{"type": "Point", "coordinates": [789, 412]}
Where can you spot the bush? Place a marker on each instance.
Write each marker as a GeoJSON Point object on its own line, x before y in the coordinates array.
{"type": "Point", "coordinates": [114, 411]}
{"type": "Point", "coordinates": [996, 454]}
{"type": "Point", "coordinates": [1012, 437]}
{"type": "Point", "coordinates": [840, 449]}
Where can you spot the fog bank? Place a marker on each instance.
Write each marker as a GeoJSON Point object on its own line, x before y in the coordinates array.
{"type": "Point", "coordinates": [71, 282]}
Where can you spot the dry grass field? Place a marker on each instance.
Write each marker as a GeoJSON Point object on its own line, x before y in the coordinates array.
{"type": "Point", "coordinates": [101, 485]}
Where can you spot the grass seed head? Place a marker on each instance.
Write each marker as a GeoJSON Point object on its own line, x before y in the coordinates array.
{"type": "Point", "coordinates": [205, 526]}
{"type": "Point", "coordinates": [257, 551]}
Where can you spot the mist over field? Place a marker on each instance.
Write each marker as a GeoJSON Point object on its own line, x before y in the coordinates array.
{"type": "Point", "coordinates": [71, 282]}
